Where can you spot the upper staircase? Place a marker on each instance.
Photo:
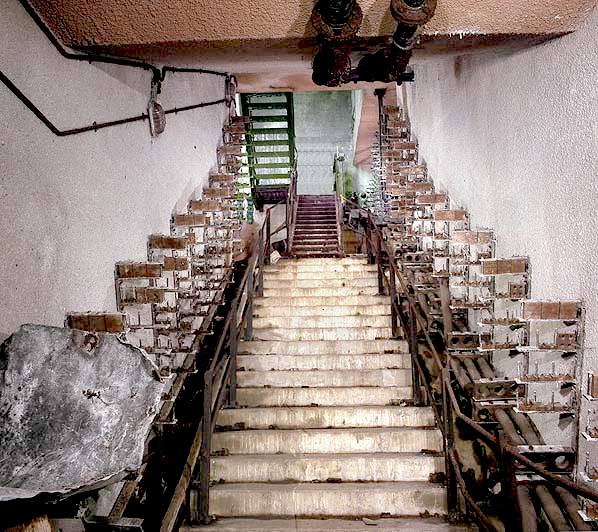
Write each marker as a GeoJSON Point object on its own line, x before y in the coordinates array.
{"type": "Point", "coordinates": [323, 427]}
{"type": "Point", "coordinates": [317, 227]}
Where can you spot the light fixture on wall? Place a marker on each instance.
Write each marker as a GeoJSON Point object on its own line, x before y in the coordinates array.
{"type": "Point", "coordinates": [155, 111]}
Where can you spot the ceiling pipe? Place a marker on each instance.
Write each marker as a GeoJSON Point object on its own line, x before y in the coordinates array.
{"type": "Point", "coordinates": [337, 22]}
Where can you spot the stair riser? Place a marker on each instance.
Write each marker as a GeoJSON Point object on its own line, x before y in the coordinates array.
{"type": "Point", "coordinates": [337, 333]}
{"type": "Point", "coordinates": [353, 310]}
{"type": "Point", "coordinates": [318, 292]}
{"type": "Point", "coordinates": [322, 362]}
{"type": "Point", "coordinates": [322, 501]}
{"type": "Point", "coordinates": [258, 397]}
{"type": "Point", "coordinates": [302, 322]}
{"type": "Point", "coordinates": [327, 417]}
{"type": "Point", "coordinates": [323, 348]}
{"type": "Point", "coordinates": [324, 379]}
{"type": "Point", "coordinates": [370, 281]}
{"type": "Point", "coordinates": [392, 440]}
{"type": "Point", "coordinates": [360, 468]}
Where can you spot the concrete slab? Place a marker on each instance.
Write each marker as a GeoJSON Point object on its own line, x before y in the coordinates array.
{"type": "Point", "coordinates": [353, 440]}
{"type": "Point", "coordinates": [324, 379]}
{"type": "Point", "coordinates": [368, 279]}
{"type": "Point", "coordinates": [317, 322]}
{"type": "Point", "coordinates": [328, 292]}
{"type": "Point", "coordinates": [321, 310]}
{"type": "Point", "coordinates": [347, 396]}
{"type": "Point", "coordinates": [320, 417]}
{"type": "Point", "coordinates": [322, 362]}
{"type": "Point", "coordinates": [394, 498]}
{"type": "Point", "coordinates": [328, 273]}
{"type": "Point", "coordinates": [415, 524]}
{"type": "Point", "coordinates": [329, 347]}
{"type": "Point", "coordinates": [326, 300]}
{"type": "Point", "coordinates": [374, 467]}
{"type": "Point", "coordinates": [328, 333]}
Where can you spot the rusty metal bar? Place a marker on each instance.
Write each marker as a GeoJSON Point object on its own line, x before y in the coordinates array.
{"type": "Point", "coordinates": [527, 510]}
{"type": "Point", "coordinates": [481, 517]}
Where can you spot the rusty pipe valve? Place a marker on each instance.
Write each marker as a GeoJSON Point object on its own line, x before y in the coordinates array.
{"type": "Point", "coordinates": [413, 12]}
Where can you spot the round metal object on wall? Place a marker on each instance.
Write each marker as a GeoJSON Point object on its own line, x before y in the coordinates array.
{"type": "Point", "coordinates": [338, 33]}
{"type": "Point", "coordinates": [413, 12]}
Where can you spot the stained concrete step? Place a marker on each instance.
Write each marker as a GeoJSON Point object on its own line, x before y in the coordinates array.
{"type": "Point", "coordinates": [357, 524]}
{"type": "Point", "coordinates": [369, 279]}
{"type": "Point", "coordinates": [369, 311]}
{"type": "Point", "coordinates": [322, 362]}
{"type": "Point", "coordinates": [350, 260]}
{"type": "Point", "coordinates": [351, 440]}
{"type": "Point", "coordinates": [346, 396]}
{"type": "Point", "coordinates": [306, 499]}
{"type": "Point", "coordinates": [289, 301]}
{"type": "Point", "coordinates": [329, 333]}
{"type": "Point", "coordinates": [291, 291]}
{"type": "Point", "coordinates": [321, 417]}
{"type": "Point", "coordinates": [290, 275]}
{"type": "Point", "coordinates": [294, 322]}
{"type": "Point", "coordinates": [324, 379]}
{"type": "Point", "coordinates": [330, 347]}
{"type": "Point", "coordinates": [360, 467]}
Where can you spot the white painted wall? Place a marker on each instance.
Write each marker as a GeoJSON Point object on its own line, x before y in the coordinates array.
{"type": "Point", "coordinates": [71, 207]}
{"type": "Point", "coordinates": [513, 137]}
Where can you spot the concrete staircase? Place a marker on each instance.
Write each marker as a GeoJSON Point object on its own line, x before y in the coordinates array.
{"type": "Point", "coordinates": [317, 227]}
{"type": "Point", "coordinates": [319, 431]}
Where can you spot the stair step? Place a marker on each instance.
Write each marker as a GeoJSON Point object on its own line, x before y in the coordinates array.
{"type": "Point", "coordinates": [328, 333]}
{"type": "Point", "coordinates": [369, 279]}
{"type": "Point", "coordinates": [322, 362]}
{"type": "Point", "coordinates": [292, 275]}
{"type": "Point", "coordinates": [353, 440]}
{"type": "Point", "coordinates": [347, 396]}
{"type": "Point", "coordinates": [405, 524]}
{"type": "Point", "coordinates": [324, 379]}
{"type": "Point", "coordinates": [315, 292]}
{"type": "Point", "coordinates": [360, 467]}
{"type": "Point", "coordinates": [330, 347]}
{"type": "Point", "coordinates": [316, 322]}
{"type": "Point", "coordinates": [270, 311]}
{"type": "Point", "coordinates": [345, 499]}
{"type": "Point", "coordinates": [321, 417]}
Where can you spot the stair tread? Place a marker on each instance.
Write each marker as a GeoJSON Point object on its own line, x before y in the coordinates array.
{"type": "Point", "coordinates": [406, 524]}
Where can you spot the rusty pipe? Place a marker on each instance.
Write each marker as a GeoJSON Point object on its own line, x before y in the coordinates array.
{"type": "Point", "coordinates": [552, 509]}
{"type": "Point", "coordinates": [511, 432]}
{"type": "Point", "coordinates": [525, 428]}
{"type": "Point", "coordinates": [527, 510]}
{"type": "Point", "coordinates": [571, 506]}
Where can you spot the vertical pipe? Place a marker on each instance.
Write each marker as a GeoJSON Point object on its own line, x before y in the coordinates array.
{"type": "Point", "coordinates": [413, 350]}
{"type": "Point", "coordinates": [205, 451]}
{"type": "Point", "coordinates": [445, 301]}
{"type": "Point", "coordinates": [508, 480]}
{"type": "Point", "coordinates": [368, 239]}
{"type": "Point", "coordinates": [394, 301]}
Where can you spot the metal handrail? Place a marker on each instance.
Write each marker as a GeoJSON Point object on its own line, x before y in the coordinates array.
{"type": "Point", "coordinates": [377, 252]}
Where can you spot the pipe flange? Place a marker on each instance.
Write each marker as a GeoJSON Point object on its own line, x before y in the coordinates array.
{"type": "Point", "coordinates": [413, 12]}
{"type": "Point", "coordinates": [338, 33]}
{"type": "Point", "coordinates": [332, 66]}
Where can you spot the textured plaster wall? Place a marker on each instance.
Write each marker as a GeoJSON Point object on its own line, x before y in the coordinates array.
{"type": "Point", "coordinates": [124, 22]}
{"type": "Point", "coordinates": [323, 125]}
{"type": "Point", "coordinates": [514, 139]}
{"type": "Point", "coordinates": [71, 207]}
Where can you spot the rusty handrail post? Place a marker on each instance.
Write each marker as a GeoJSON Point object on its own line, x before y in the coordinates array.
{"type": "Point", "coordinates": [508, 482]}
{"type": "Point", "coordinates": [413, 350]}
{"type": "Point", "coordinates": [452, 493]}
{"type": "Point", "coordinates": [249, 315]}
{"type": "Point", "coordinates": [268, 237]}
{"type": "Point", "coordinates": [379, 261]}
{"type": "Point", "coordinates": [368, 239]}
{"type": "Point", "coordinates": [233, 338]}
{"type": "Point", "coordinates": [206, 451]}
{"type": "Point", "coordinates": [394, 302]}
{"type": "Point", "coordinates": [260, 261]}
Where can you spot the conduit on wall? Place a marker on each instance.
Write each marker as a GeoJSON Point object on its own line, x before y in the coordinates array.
{"type": "Point", "coordinates": [157, 79]}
